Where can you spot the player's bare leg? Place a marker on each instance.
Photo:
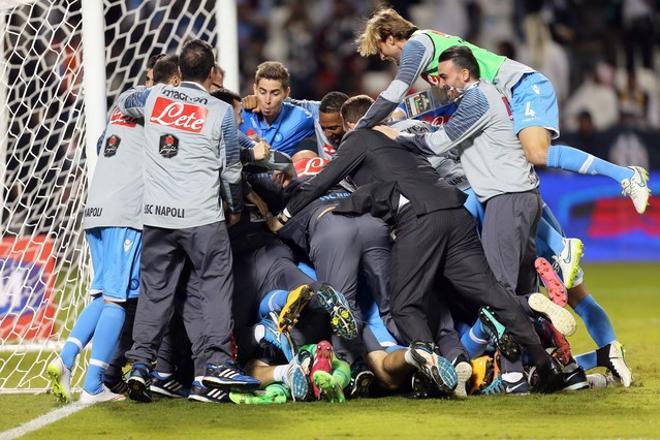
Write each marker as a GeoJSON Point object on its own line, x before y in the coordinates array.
{"type": "Point", "coordinates": [633, 180]}
{"type": "Point", "coordinates": [391, 369]}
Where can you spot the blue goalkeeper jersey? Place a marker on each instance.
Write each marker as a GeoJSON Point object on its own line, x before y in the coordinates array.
{"type": "Point", "coordinates": [291, 126]}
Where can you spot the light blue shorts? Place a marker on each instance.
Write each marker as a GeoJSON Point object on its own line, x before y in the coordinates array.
{"type": "Point", "coordinates": [534, 104]}
{"type": "Point", "coordinates": [116, 261]}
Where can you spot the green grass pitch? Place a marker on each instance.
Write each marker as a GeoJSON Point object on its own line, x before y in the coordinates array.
{"type": "Point", "coordinates": [629, 293]}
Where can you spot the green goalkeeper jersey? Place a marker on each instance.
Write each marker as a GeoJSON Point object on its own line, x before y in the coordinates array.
{"type": "Point", "coordinates": [489, 63]}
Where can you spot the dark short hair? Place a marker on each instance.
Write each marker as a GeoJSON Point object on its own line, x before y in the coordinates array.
{"type": "Point", "coordinates": [332, 102]}
{"type": "Point", "coordinates": [463, 58]}
{"type": "Point", "coordinates": [151, 62]}
{"type": "Point", "coordinates": [272, 70]}
{"type": "Point", "coordinates": [227, 96]}
{"type": "Point", "coordinates": [196, 60]}
{"type": "Point", "coordinates": [165, 68]}
{"type": "Point", "coordinates": [585, 114]}
{"type": "Point", "coordinates": [355, 107]}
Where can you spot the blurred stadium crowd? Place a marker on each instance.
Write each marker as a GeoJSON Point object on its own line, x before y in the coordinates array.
{"type": "Point", "coordinates": [600, 55]}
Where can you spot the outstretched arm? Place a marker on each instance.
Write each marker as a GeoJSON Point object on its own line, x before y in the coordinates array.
{"type": "Point", "coordinates": [416, 55]}
{"type": "Point", "coordinates": [471, 118]}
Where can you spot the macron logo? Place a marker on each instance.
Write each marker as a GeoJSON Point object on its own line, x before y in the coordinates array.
{"type": "Point", "coordinates": [187, 117]}
{"type": "Point", "coordinates": [127, 245]}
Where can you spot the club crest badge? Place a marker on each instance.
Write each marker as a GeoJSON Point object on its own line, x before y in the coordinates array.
{"type": "Point", "coordinates": [111, 145]}
{"type": "Point", "coordinates": [168, 146]}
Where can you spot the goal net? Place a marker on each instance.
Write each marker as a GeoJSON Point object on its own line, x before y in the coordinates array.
{"type": "Point", "coordinates": [45, 268]}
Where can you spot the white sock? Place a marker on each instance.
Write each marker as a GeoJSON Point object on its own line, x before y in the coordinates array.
{"type": "Point", "coordinates": [279, 374]}
{"type": "Point", "coordinates": [409, 359]}
{"type": "Point", "coordinates": [163, 376]}
{"type": "Point", "coordinates": [259, 332]}
{"type": "Point", "coordinates": [199, 379]}
{"type": "Point", "coordinates": [512, 377]}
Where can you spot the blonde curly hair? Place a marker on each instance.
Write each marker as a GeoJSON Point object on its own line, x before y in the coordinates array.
{"type": "Point", "coordinates": [383, 23]}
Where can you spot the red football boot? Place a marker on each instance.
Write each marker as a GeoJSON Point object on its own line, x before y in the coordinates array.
{"type": "Point", "coordinates": [322, 362]}
{"type": "Point", "coordinates": [556, 289]}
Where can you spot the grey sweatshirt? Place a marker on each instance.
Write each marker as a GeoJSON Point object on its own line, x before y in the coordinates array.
{"type": "Point", "coordinates": [192, 155]}
{"type": "Point", "coordinates": [115, 194]}
{"type": "Point", "coordinates": [481, 131]}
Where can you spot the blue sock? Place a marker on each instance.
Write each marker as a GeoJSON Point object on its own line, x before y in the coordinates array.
{"type": "Point", "coordinates": [475, 340]}
{"type": "Point", "coordinates": [106, 337]}
{"type": "Point", "coordinates": [596, 320]}
{"type": "Point", "coordinates": [274, 301]}
{"type": "Point", "coordinates": [571, 159]}
{"type": "Point", "coordinates": [82, 332]}
{"type": "Point", "coordinates": [552, 242]}
{"type": "Point", "coordinates": [462, 327]}
{"type": "Point", "coordinates": [308, 270]}
{"type": "Point", "coordinates": [161, 376]}
{"type": "Point", "coordinates": [587, 360]}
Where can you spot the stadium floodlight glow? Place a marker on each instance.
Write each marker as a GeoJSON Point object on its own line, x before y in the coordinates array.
{"type": "Point", "coordinates": [53, 101]}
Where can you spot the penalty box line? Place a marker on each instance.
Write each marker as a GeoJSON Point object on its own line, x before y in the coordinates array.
{"type": "Point", "coordinates": [41, 421]}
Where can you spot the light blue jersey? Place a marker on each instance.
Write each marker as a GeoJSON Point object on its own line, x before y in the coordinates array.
{"type": "Point", "coordinates": [292, 125]}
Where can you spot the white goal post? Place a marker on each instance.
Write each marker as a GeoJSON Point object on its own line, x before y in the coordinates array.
{"type": "Point", "coordinates": [62, 64]}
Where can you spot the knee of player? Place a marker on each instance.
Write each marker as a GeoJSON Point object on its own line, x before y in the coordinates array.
{"type": "Point", "coordinates": [385, 380]}
{"type": "Point", "coordinates": [397, 312]}
{"type": "Point", "coordinates": [402, 305]}
{"type": "Point", "coordinates": [403, 315]}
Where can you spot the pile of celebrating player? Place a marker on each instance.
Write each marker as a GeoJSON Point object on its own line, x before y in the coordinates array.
{"type": "Point", "coordinates": [265, 249]}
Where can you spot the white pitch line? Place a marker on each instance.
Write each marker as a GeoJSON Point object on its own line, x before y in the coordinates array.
{"type": "Point", "coordinates": [41, 421]}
